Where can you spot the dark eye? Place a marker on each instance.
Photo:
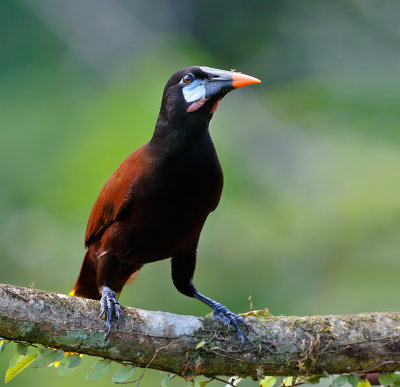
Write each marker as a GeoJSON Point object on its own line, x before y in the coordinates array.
{"type": "Point", "coordinates": [187, 78]}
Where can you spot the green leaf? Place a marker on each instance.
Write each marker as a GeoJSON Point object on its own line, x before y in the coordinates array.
{"type": "Point", "coordinates": [315, 379]}
{"type": "Point", "coordinates": [19, 366]}
{"type": "Point", "coordinates": [99, 369]}
{"type": "Point", "coordinates": [287, 381]}
{"type": "Point", "coordinates": [59, 355]}
{"type": "Point", "coordinates": [364, 383]}
{"type": "Point", "coordinates": [166, 382]}
{"type": "Point", "coordinates": [354, 380]}
{"type": "Point", "coordinates": [64, 368]}
{"type": "Point", "coordinates": [386, 379]}
{"type": "Point", "coordinates": [123, 374]}
{"type": "Point", "coordinates": [75, 361]}
{"type": "Point", "coordinates": [199, 345]}
{"type": "Point", "coordinates": [3, 345]}
{"type": "Point", "coordinates": [22, 348]}
{"type": "Point", "coordinates": [340, 380]}
{"type": "Point", "coordinates": [396, 377]}
{"type": "Point", "coordinates": [15, 359]}
{"type": "Point", "coordinates": [268, 381]}
{"type": "Point", "coordinates": [203, 383]}
{"type": "Point", "coordinates": [48, 356]}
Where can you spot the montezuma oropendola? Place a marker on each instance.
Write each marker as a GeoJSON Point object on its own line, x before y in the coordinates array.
{"type": "Point", "coordinates": [155, 204]}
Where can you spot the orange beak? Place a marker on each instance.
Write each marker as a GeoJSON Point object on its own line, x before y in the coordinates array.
{"type": "Point", "coordinates": [240, 80]}
{"type": "Point", "coordinates": [221, 82]}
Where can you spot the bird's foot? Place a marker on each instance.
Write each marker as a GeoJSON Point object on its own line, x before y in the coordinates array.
{"type": "Point", "coordinates": [110, 307]}
{"type": "Point", "coordinates": [228, 318]}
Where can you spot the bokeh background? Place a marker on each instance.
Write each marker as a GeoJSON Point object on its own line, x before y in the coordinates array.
{"type": "Point", "coordinates": [309, 221]}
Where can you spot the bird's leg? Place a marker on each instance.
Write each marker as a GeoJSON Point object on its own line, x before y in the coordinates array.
{"type": "Point", "coordinates": [182, 273]}
{"type": "Point", "coordinates": [112, 274]}
{"type": "Point", "coordinates": [110, 307]}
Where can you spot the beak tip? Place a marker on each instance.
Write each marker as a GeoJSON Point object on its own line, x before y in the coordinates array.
{"type": "Point", "coordinates": [240, 80]}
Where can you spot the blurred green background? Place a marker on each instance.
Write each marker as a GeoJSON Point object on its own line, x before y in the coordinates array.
{"type": "Point", "coordinates": [309, 220]}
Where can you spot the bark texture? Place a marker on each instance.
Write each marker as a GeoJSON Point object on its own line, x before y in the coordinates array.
{"type": "Point", "coordinates": [277, 345]}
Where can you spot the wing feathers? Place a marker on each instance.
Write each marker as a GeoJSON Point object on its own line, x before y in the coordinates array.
{"type": "Point", "coordinates": [114, 198]}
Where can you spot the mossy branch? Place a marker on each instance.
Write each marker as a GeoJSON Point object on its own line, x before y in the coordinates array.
{"type": "Point", "coordinates": [190, 346]}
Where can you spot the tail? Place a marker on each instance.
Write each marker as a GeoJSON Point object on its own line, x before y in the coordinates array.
{"type": "Point", "coordinates": [86, 284]}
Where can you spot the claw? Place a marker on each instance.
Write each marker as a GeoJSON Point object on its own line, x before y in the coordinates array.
{"type": "Point", "coordinates": [229, 318]}
{"type": "Point", "coordinates": [109, 306]}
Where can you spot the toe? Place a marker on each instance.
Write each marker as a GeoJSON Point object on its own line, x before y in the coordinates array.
{"type": "Point", "coordinates": [118, 311]}
{"type": "Point", "coordinates": [228, 318]}
{"type": "Point", "coordinates": [109, 326]}
{"type": "Point", "coordinates": [110, 307]}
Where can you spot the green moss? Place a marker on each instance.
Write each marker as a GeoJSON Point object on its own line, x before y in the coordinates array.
{"type": "Point", "coordinates": [72, 338]}
{"type": "Point", "coordinates": [80, 337]}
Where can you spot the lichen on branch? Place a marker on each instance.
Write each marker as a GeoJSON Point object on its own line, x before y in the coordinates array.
{"type": "Point", "coordinates": [190, 346]}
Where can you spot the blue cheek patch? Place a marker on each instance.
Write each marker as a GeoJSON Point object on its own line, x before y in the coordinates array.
{"type": "Point", "coordinates": [194, 91]}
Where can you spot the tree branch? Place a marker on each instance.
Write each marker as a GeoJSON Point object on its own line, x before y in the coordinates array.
{"type": "Point", "coordinates": [165, 341]}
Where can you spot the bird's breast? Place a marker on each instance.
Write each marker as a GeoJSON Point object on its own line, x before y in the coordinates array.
{"type": "Point", "coordinates": [172, 203]}
{"type": "Point", "coordinates": [185, 189]}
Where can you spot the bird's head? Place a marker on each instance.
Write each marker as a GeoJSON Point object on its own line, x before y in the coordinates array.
{"type": "Point", "coordinates": [194, 92]}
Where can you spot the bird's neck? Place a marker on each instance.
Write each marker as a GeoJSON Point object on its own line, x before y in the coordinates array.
{"type": "Point", "coordinates": [182, 135]}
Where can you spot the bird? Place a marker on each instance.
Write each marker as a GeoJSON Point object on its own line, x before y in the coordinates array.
{"type": "Point", "coordinates": [155, 204]}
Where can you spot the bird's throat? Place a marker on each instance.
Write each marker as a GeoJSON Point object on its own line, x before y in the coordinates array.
{"type": "Point", "coordinates": [215, 106]}
{"type": "Point", "coordinates": [200, 102]}
{"type": "Point", "coordinates": [196, 105]}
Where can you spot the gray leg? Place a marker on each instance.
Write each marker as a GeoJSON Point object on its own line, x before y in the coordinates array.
{"type": "Point", "coordinates": [182, 273]}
